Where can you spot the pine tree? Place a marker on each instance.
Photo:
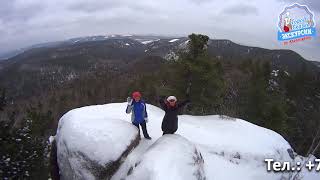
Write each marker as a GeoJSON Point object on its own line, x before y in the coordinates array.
{"type": "Point", "coordinates": [268, 106]}
{"type": "Point", "coordinates": [199, 75]}
{"type": "Point", "coordinates": [22, 155]}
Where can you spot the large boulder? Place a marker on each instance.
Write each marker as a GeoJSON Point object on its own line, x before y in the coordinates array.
{"type": "Point", "coordinates": [94, 143]}
{"type": "Point", "coordinates": [92, 147]}
{"type": "Point", "coordinates": [171, 157]}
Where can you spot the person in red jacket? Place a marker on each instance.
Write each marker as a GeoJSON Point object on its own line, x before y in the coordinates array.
{"type": "Point", "coordinates": [139, 116]}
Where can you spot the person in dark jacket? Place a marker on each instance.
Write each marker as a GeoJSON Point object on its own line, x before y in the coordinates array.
{"type": "Point", "coordinates": [171, 108]}
{"type": "Point", "coordinates": [139, 115]}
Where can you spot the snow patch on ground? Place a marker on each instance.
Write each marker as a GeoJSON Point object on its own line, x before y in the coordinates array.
{"type": "Point", "coordinates": [173, 40]}
{"type": "Point", "coordinates": [147, 42]}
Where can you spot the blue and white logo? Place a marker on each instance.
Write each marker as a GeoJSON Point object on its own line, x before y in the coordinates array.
{"type": "Point", "coordinates": [296, 21]}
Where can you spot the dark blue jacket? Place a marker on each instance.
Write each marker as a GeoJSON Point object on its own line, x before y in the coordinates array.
{"type": "Point", "coordinates": [139, 111]}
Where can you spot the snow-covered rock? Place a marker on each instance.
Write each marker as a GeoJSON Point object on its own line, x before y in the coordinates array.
{"type": "Point", "coordinates": [91, 146]}
{"type": "Point", "coordinates": [171, 157]}
{"type": "Point", "coordinates": [229, 148]}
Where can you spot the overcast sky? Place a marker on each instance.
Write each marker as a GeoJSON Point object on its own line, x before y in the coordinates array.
{"type": "Point", "coordinates": [248, 22]}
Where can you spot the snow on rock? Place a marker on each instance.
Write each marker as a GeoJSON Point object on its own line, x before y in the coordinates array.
{"type": "Point", "coordinates": [305, 173]}
{"type": "Point", "coordinates": [171, 157]}
{"type": "Point", "coordinates": [208, 146]}
{"type": "Point", "coordinates": [51, 139]}
{"type": "Point", "coordinates": [234, 146]}
{"type": "Point", "coordinates": [91, 145]}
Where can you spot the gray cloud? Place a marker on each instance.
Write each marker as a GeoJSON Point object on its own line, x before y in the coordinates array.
{"type": "Point", "coordinates": [26, 22]}
{"type": "Point", "coordinates": [6, 7]}
{"type": "Point", "coordinates": [11, 11]}
{"type": "Point", "coordinates": [90, 7]}
{"type": "Point", "coordinates": [241, 9]}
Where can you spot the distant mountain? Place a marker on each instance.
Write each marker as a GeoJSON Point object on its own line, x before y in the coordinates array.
{"type": "Point", "coordinates": [165, 47]}
{"type": "Point", "coordinates": [65, 60]}
{"type": "Point", "coordinates": [284, 59]}
{"type": "Point", "coordinates": [10, 54]}
{"type": "Point", "coordinates": [104, 47]}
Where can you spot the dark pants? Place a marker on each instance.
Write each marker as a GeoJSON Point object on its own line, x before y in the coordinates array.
{"type": "Point", "coordinates": [144, 129]}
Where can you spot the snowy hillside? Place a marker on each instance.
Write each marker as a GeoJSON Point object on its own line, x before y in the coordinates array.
{"type": "Point", "coordinates": [205, 147]}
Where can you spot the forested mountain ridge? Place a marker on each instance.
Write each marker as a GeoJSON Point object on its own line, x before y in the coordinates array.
{"type": "Point", "coordinates": [65, 60]}
{"type": "Point", "coordinates": [276, 89]}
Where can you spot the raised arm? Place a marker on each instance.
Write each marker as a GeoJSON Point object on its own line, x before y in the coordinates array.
{"type": "Point", "coordinates": [129, 106]}
{"type": "Point", "coordinates": [162, 103]}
